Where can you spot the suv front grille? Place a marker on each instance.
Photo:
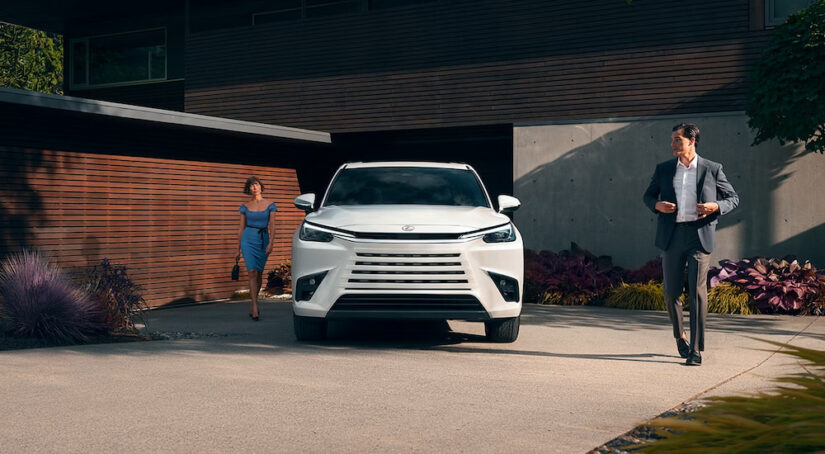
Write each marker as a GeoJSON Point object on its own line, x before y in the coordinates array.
{"type": "Point", "coordinates": [407, 271]}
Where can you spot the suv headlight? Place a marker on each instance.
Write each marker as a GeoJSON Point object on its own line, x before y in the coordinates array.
{"type": "Point", "coordinates": [500, 234]}
{"type": "Point", "coordinates": [314, 234]}
{"type": "Point", "coordinates": [504, 235]}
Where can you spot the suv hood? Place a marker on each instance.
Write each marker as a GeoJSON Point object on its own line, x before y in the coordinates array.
{"type": "Point", "coordinates": [422, 218]}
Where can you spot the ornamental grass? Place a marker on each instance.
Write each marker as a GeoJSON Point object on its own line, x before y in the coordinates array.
{"type": "Point", "coordinates": [788, 419]}
{"type": "Point", "coordinates": [727, 298]}
{"type": "Point", "coordinates": [40, 302]}
{"type": "Point", "coordinates": [648, 297]}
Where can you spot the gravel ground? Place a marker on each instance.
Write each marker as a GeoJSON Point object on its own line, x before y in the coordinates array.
{"type": "Point", "coordinates": [630, 441]}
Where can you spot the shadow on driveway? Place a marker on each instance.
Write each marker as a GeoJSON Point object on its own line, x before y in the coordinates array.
{"type": "Point", "coordinates": [224, 328]}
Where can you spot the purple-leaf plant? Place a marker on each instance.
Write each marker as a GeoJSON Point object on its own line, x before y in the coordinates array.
{"type": "Point", "coordinates": [780, 286]}
{"type": "Point", "coordinates": [569, 277]}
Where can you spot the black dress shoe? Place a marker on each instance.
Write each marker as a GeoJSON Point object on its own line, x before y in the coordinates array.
{"type": "Point", "coordinates": [684, 348]}
{"type": "Point", "coordinates": [694, 359]}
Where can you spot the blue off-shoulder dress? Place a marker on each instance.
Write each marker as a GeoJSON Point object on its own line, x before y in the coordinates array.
{"type": "Point", "coordinates": [255, 237]}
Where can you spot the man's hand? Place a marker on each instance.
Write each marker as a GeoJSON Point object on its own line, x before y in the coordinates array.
{"type": "Point", "coordinates": [704, 209]}
{"type": "Point", "coordinates": [665, 207]}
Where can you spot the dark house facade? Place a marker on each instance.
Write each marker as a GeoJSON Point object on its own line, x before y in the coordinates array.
{"type": "Point", "coordinates": [352, 66]}
{"type": "Point", "coordinates": [539, 96]}
{"type": "Point", "coordinates": [376, 65]}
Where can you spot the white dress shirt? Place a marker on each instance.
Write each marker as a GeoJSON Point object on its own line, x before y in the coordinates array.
{"type": "Point", "coordinates": [684, 183]}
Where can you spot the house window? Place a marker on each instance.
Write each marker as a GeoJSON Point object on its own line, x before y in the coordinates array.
{"type": "Point", "coordinates": [777, 11]}
{"type": "Point", "coordinates": [123, 58]}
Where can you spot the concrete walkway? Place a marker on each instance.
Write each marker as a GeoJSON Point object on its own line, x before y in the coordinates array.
{"type": "Point", "coordinates": [576, 378]}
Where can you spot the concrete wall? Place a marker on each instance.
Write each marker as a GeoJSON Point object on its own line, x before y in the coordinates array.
{"type": "Point", "coordinates": [584, 182]}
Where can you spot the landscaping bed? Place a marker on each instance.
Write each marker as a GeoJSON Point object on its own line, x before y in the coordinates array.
{"type": "Point", "coordinates": [756, 285]}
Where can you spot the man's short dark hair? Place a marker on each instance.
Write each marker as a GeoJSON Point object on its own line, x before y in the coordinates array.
{"type": "Point", "coordinates": [249, 182]}
{"type": "Point", "coordinates": [689, 131]}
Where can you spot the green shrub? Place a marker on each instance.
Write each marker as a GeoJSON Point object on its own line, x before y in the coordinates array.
{"type": "Point", "coordinates": [790, 418]}
{"type": "Point", "coordinates": [727, 298]}
{"type": "Point", "coordinates": [648, 296]}
{"type": "Point", "coordinates": [785, 89]}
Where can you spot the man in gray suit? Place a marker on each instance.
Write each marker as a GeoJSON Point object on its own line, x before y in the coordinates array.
{"type": "Point", "coordinates": [688, 194]}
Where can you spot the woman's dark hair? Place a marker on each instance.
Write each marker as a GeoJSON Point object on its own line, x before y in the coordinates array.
{"type": "Point", "coordinates": [689, 131]}
{"type": "Point", "coordinates": [249, 182]}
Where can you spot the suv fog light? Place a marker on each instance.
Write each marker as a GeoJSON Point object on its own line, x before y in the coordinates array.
{"type": "Point", "coordinates": [307, 285]}
{"type": "Point", "coordinates": [507, 286]}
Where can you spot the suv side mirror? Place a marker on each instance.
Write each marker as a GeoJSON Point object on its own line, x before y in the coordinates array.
{"type": "Point", "coordinates": [305, 202]}
{"type": "Point", "coordinates": [508, 204]}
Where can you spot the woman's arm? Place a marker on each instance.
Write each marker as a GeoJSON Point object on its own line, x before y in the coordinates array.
{"type": "Point", "coordinates": [241, 226]}
{"type": "Point", "coordinates": [271, 228]}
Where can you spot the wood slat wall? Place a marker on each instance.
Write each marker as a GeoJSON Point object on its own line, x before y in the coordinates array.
{"type": "Point", "coordinates": [174, 223]}
{"type": "Point", "coordinates": [477, 62]}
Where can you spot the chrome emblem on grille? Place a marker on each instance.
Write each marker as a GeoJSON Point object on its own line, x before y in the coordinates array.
{"type": "Point", "coordinates": [408, 228]}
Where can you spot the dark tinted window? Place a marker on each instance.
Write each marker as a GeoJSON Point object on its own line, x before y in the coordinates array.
{"type": "Point", "coordinates": [127, 57]}
{"type": "Point", "coordinates": [406, 186]}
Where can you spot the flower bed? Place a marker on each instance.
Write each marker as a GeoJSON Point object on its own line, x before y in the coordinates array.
{"type": "Point", "coordinates": [747, 286]}
{"type": "Point", "coordinates": [42, 306]}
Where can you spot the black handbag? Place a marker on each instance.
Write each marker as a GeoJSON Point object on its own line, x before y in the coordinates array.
{"type": "Point", "coordinates": [236, 271]}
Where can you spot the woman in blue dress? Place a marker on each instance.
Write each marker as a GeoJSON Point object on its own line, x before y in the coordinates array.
{"type": "Point", "coordinates": [256, 235]}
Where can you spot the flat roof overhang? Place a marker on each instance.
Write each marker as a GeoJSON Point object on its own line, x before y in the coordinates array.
{"type": "Point", "coordinates": [146, 114]}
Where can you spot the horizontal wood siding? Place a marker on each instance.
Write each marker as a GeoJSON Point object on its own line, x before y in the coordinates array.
{"type": "Point", "coordinates": [173, 223]}
{"type": "Point", "coordinates": [161, 200]}
{"type": "Point", "coordinates": [477, 62]}
{"type": "Point", "coordinates": [160, 95]}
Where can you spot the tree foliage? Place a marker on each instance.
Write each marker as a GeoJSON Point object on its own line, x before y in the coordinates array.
{"type": "Point", "coordinates": [787, 95]}
{"type": "Point", "coordinates": [31, 59]}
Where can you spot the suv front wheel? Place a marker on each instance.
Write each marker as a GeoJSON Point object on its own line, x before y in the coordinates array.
{"type": "Point", "coordinates": [309, 328]}
{"type": "Point", "coordinates": [502, 330]}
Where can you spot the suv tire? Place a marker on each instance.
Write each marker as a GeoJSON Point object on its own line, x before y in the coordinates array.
{"type": "Point", "coordinates": [502, 330]}
{"type": "Point", "coordinates": [309, 328]}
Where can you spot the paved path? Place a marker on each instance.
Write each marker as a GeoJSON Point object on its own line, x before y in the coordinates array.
{"type": "Point", "coordinates": [576, 378]}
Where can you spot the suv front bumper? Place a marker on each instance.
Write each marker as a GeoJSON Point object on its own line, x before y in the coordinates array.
{"type": "Point", "coordinates": [409, 279]}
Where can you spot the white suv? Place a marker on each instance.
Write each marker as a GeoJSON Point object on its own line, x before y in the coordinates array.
{"type": "Point", "coordinates": [407, 240]}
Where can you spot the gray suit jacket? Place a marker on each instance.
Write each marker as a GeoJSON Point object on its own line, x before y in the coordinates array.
{"type": "Point", "coordinates": [711, 186]}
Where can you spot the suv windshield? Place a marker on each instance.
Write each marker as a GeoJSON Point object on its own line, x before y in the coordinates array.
{"type": "Point", "coordinates": [406, 186]}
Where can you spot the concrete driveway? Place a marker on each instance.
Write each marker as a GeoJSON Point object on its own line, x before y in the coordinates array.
{"type": "Point", "coordinates": [576, 378]}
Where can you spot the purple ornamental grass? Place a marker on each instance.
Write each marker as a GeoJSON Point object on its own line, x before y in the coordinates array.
{"type": "Point", "coordinates": [40, 302]}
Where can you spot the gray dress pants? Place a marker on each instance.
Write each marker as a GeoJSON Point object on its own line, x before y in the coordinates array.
{"type": "Point", "coordinates": [685, 251]}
